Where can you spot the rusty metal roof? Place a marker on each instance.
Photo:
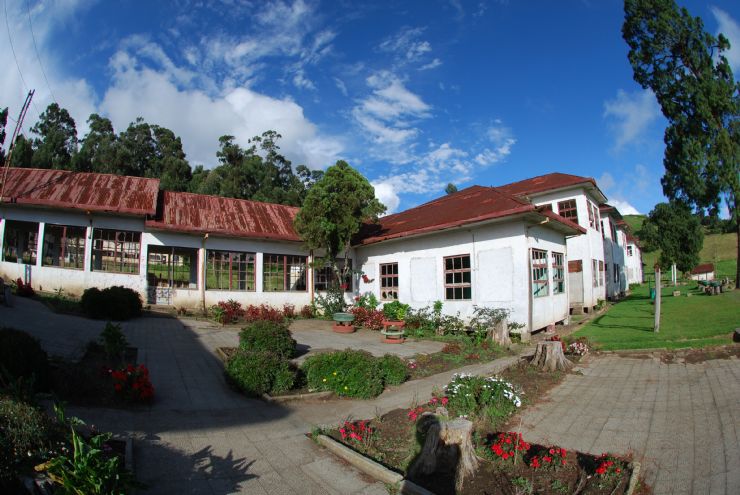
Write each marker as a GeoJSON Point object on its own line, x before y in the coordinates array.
{"type": "Point", "coordinates": [471, 205]}
{"type": "Point", "coordinates": [203, 214]}
{"type": "Point", "coordinates": [549, 182]}
{"type": "Point", "coordinates": [705, 268]}
{"type": "Point", "coordinates": [81, 191]}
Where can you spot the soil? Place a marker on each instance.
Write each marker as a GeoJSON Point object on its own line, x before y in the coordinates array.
{"type": "Point", "coordinates": [454, 355]}
{"type": "Point", "coordinates": [87, 382]}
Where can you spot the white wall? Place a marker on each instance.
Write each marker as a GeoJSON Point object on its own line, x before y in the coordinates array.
{"type": "Point", "coordinates": [634, 264]}
{"type": "Point", "coordinates": [585, 247]}
{"type": "Point", "coordinates": [500, 275]}
{"type": "Point", "coordinates": [614, 254]}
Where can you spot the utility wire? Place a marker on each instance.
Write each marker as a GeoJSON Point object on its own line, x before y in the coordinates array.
{"type": "Point", "coordinates": [35, 48]}
{"type": "Point", "coordinates": [12, 49]}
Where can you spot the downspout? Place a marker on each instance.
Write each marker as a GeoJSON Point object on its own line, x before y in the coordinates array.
{"type": "Point", "coordinates": [309, 275]}
{"type": "Point", "coordinates": [203, 275]}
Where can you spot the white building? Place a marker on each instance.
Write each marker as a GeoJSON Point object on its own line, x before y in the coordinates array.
{"type": "Point", "coordinates": [633, 256]}
{"type": "Point", "coordinates": [480, 246]}
{"type": "Point", "coordinates": [703, 272]}
{"type": "Point", "coordinates": [615, 240]}
{"type": "Point", "coordinates": [575, 198]}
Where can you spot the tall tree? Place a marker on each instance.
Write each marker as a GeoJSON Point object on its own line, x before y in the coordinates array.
{"type": "Point", "coordinates": [170, 164]}
{"type": "Point", "coordinates": [99, 150]}
{"type": "Point", "coordinates": [22, 153]}
{"type": "Point", "coordinates": [136, 149]}
{"type": "Point", "coordinates": [677, 232]}
{"type": "Point", "coordinates": [3, 125]}
{"type": "Point", "coordinates": [334, 211]}
{"type": "Point", "coordinates": [686, 69]}
{"type": "Point", "coordinates": [57, 139]}
{"type": "Point", "coordinates": [451, 188]}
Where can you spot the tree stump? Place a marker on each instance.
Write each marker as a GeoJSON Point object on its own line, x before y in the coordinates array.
{"type": "Point", "coordinates": [441, 438]}
{"type": "Point", "coordinates": [549, 357]}
{"type": "Point", "coordinates": [499, 333]}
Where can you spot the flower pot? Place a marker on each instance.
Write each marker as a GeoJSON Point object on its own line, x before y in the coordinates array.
{"type": "Point", "coordinates": [398, 325]}
{"type": "Point", "coordinates": [341, 328]}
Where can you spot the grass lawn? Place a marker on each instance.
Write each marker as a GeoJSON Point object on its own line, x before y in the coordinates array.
{"type": "Point", "coordinates": [696, 321]}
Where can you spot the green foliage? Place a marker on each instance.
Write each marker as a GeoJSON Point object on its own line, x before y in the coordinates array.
{"type": "Point", "coordinates": [267, 336]}
{"type": "Point", "coordinates": [259, 372]}
{"type": "Point", "coordinates": [367, 301]}
{"type": "Point", "coordinates": [476, 396]}
{"type": "Point", "coordinates": [91, 470]}
{"type": "Point", "coordinates": [332, 302]}
{"type": "Point", "coordinates": [113, 341]}
{"type": "Point", "coordinates": [396, 310]}
{"type": "Point", "coordinates": [350, 373]}
{"type": "Point", "coordinates": [21, 356]}
{"type": "Point", "coordinates": [23, 436]}
{"type": "Point", "coordinates": [676, 232]}
{"type": "Point", "coordinates": [450, 188]}
{"type": "Point", "coordinates": [57, 140]}
{"type": "Point", "coordinates": [112, 303]}
{"type": "Point", "coordinates": [394, 369]}
{"type": "Point", "coordinates": [686, 68]}
{"type": "Point", "coordinates": [335, 209]}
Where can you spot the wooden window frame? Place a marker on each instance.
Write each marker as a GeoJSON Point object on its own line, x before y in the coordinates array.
{"type": "Point", "coordinates": [217, 260]}
{"type": "Point", "coordinates": [558, 273]}
{"type": "Point", "coordinates": [123, 250]}
{"type": "Point", "coordinates": [539, 269]}
{"type": "Point", "coordinates": [568, 209]}
{"type": "Point", "coordinates": [269, 260]}
{"type": "Point", "coordinates": [324, 276]}
{"type": "Point", "coordinates": [462, 285]}
{"type": "Point", "coordinates": [29, 242]}
{"type": "Point", "coordinates": [77, 252]}
{"type": "Point", "coordinates": [388, 281]}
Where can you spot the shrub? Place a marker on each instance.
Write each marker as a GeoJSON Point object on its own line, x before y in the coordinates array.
{"type": "Point", "coordinates": [133, 384]}
{"type": "Point", "coordinates": [289, 311]}
{"type": "Point", "coordinates": [111, 303]}
{"type": "Point", "coordinates": [23, 437]}
{"type": "Point", "coordinates": [372, 319]}
{"type": "Point", "coordinates": [473, 395]}
{"type": "Point", "coordinates": [367, 301]}
{"type": "Point", "coordinates": [351, 373]}
{"type": "Point", "coordinates": [260, 372]}
{"type": "Point", "coordinates": [396, 310]}
{"type": "Point", "coordinates": [113, 341]}
{"type": "Point", "coordinates": [23, 289]}
{"type": "Point", "coordinates": [262, 335]}
{"type": "Point", "coordinates": [332, 302]}
{"type": "Point", "coordinates": [307, 311]}
{"type": "Point", "coordinates": [263, 312]}
{"type": "Point", "coordinates": [394, 370]}
{"type": "Point", "coordinates": [21, 356]}
{"type": "Point", "coordinates": [227, 312]}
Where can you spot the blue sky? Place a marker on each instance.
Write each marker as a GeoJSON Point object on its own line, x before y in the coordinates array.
{"type": "Point", "coordinates": [413, 94]}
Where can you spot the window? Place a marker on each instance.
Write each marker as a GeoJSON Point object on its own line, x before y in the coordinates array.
{"type": "Point", "coordinates": [230, 270]}
{"type": "Point", "coordinates": [602, 273]}
{"type": "Point", "coordinates": [283, 272]}
{"type": "Point", "coordinates": [603, 230]}
{"type": "Point", "coordinates": [116, 251]}
{"type": "Point", "coordinates": [567, 209]}
{"type": "Point", "coordinates": [21, 242]}
{"type": "Point", "coordinates": [616, 273]}
{"type": "Point", "coordinates": [593, 215]}
{"type": "Point", "coordinates": [539, 273]}
{"type": "Point", "coordinates": [558, 273]}
{"type": "Point", "coordinates": [173, 267]}
{"type": "Point", "coordinates": [323, 278]}
{"type": "Point", "coordinates": [615, 237]}
{"type": "Point", "coordinates": [457, 278]}
{"type": "Point", "coordinates": [595, 272]}
{"type": "Point", "coordinates": [64, 246]}
{"type": "Point", "coordinates": [389, 282]}
{"type": "Point", "coordinates": [629, 250]}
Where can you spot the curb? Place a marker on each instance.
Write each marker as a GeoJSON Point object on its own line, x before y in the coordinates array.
{"type": "Point", "coordinates": [634, 478]}
{"type": "Point", "coordinates": [287, 398]}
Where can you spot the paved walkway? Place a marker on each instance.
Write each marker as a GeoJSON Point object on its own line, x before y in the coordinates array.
{"type": "Point", "coordinates": [681, 420]}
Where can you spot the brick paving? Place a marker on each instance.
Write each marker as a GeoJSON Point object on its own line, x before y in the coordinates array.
{"type": "Point", "coordinates": [682, 421]}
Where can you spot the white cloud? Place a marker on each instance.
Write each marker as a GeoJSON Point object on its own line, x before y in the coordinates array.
{"type": "Point", "coordinates": [631, 186]}
{"type": "Point", "coordinates": [631, 116]}
{"type": "Point", "coordinates": [431, 65]}
{"type": "Point", "coordinates": [624, 207]}
{"type": "Point", "coordinates": [387, 195]}
{"type": "Point", "coordinates": [341, 86]}
{"type": "Point", "coordinates": [502, 140]}
{"type": "Point", "coordinates": [731, 29]}
{"type": "Point", "coordinates": [606, 181]}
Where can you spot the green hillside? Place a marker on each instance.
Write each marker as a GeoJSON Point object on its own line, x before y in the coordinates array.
{"type": "Point", "coordinates": [720, 249]}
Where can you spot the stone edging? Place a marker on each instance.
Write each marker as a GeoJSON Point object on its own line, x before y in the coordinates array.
{"type": "Point", "coordinates": [307, 396]}
{"type": "Point", "coordinates": [634, 478]}
{"type": "Point", "coordinates": [370, 467]}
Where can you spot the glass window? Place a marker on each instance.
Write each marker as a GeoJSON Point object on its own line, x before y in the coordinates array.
{"type": "Point", "coordinates": [323, 278]}
{"type": "Point", "coordinates": [629, 250]}
{"type": "Point", "coordinates": [116, 251]}
{"type": "Point", "coordinates": [539, 273]}
{"type": "Point", "coordinates": [458, 278]}
{"type": "Point", "coordinates": [389, 282]}
{"type": "Point", "coordinates": [595, 272]}
{"type": "Point", "coordinates": [602, 274]}
{"type": "Point", "coordinates": [64, 246]}
{"type": "Point", "coordinates": [21, 242]}
{"type": "Point", "coordinates": [558, 273]}
{"type": "Point", "coordinates": [567, 209]}
{"type": "Point", "coordinates": [173, 267]}
{"type": "Point", "coordinates": [284, 273]}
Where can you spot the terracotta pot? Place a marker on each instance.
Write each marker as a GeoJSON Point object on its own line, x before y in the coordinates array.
{"type": "Point", "coordinates": [343, 328]}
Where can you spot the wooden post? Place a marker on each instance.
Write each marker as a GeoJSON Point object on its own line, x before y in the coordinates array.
{"type": "Point", "coordinates": [657, 298]}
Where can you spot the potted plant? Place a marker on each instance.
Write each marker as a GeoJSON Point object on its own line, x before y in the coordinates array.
{"type": "Point", "coordinates": [394, 313]}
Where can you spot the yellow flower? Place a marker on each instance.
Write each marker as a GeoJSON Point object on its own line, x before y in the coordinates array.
{"type": "Point", "coordinates": [345, 387]}
{"type": "Point", "coordinates": [335, 373]}
{"type": "Point", "coordinates": [324, 379]}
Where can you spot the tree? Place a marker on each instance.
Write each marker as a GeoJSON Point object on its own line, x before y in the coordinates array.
{"type": "Point", "coordinates": [333, 212]}
{"type": "Point", "coordinates": [136, 149]}
{"type": "Point", "coordinates": [3, 125]}
{"type": "Point", "coordinates": [57, 140]}
{"type": "Point", "coordinates": [684, 66]}
{"type": "Point", "coordinates": [451, 188]}
{"type": "Point", "coordinates": [99, 150]}
{"type": "Point", "coordinates": [672, 228]}
{"type": "Point", "coordinates": [169, 164]}
{"type": "Point", "coordinates": [22, 153]}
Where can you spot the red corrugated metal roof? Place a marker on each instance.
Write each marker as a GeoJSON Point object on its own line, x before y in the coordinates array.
{"type": "Point", "coordinates": [471, 205]}
{"type": "Point", "coordinates": [705, 268]}
{"type": "Point", "coordinates": [548, 182]}
{"type": "Point", "coordinates": [81, 191]}
{"type": "Point", "coordinates": [202, 214]}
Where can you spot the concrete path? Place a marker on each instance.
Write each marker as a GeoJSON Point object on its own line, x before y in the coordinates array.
{"type": "Point", "coordinates": [681, 420]}
{"type": "Point", "coordinates": [199, 436]}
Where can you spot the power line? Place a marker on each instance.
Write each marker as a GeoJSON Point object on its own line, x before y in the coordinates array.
{"type": "Point", "coordinates": [12, 49]}
{"type": "Point", "coordinates": [35, 48]}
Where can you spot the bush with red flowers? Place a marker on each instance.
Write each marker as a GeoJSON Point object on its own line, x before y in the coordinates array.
{"type": "Point", "coordinates": [556, 338]}
{"type": "Point", "coordinates": [307, 312]}
{"type": "Point", "coordinates": [359, 433]}
{"type": "Point", "coordinates": [369, 318]}
{"type": "Point", "coordinates": [509, 446]}
{"type": "Point", "coordinates": [551, 458]}
{"type": "Point", "coordinates": [24, 290]}
{"type": "Point", "coordinates": [609, 468]}
{"type": "Point", "coordinates": [265, 313]}
{"type": "Point", "coordinates": [132, 383]}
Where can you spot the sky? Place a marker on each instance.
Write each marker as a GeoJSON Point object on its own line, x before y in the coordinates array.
{"type": "Point", "coordinates": [413, 94]}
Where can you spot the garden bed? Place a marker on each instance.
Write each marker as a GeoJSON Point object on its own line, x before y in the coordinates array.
{"type": "Point", "coordinates": [455, 354]}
